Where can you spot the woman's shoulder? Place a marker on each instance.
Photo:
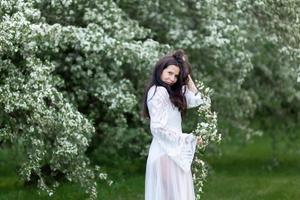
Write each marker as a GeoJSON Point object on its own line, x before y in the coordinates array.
{"type": "Point", "coordinates": [159, 88]}
{"type": "Point", "coordinates": [159, 91]}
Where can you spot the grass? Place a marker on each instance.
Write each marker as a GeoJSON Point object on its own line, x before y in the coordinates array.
{"type": "Point", "coordinates": [240, 173]}
{"type": "Point", "coordinates": [250, 173]}
{"type": "Point", "coordinates": [130, 188]}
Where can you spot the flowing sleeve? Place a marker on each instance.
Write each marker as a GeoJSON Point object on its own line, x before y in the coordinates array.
{"type": "Point", "coordinates": [192, 99]}
{"type": "Point", "coordinates": [180, 147]}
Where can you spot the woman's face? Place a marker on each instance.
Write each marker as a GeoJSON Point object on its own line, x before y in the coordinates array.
{"type": "Point", "coordinates": [170, 74]}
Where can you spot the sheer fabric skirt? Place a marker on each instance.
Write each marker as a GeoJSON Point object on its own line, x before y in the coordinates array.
{"type": "Point", "coordinates": [165, 180]}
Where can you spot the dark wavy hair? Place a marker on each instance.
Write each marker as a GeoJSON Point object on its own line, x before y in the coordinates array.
{"type": "Point", "coordinates": [178, 58]}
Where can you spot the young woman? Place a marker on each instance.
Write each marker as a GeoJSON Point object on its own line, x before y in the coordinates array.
{"type": "Point", "coordinates": [170, 92]}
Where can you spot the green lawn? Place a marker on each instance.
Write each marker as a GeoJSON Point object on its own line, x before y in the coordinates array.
{"type": "Point", "coordinates": [249, 173]}
{"type": "Point", "coordinates": [241, 172]}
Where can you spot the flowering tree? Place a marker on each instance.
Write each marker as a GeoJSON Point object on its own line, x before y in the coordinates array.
{"type": "Point", "coordinates": [239, 48]}
{"type": "Point", "coordinates": [62, 81]}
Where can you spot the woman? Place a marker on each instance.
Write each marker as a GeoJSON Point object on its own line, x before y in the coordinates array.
{"type": "Point", "coordinates": [170, 92]}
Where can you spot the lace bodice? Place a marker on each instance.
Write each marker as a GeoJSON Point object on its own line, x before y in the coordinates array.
{"type": "Point", "coordinates": [165, 125]}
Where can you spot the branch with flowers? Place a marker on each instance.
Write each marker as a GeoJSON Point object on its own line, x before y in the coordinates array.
{"type": "Point", "coordinates": [207, 130]}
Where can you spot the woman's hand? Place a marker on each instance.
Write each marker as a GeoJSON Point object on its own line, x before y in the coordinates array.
{"type": "Point", "coordinates": [199, 140]}
{"type": "Point", "coordinates": [191, 85]}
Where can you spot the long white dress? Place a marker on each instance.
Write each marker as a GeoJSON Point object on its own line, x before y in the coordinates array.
{"type": "Point", "coordinates": [168, 170]}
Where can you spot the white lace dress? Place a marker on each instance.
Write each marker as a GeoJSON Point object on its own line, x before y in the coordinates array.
{"type": "Point", "coordinates": [168, 170]}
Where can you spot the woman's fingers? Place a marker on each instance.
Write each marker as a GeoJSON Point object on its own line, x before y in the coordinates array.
{"type": "Point", "coordinates": [199, 140]}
